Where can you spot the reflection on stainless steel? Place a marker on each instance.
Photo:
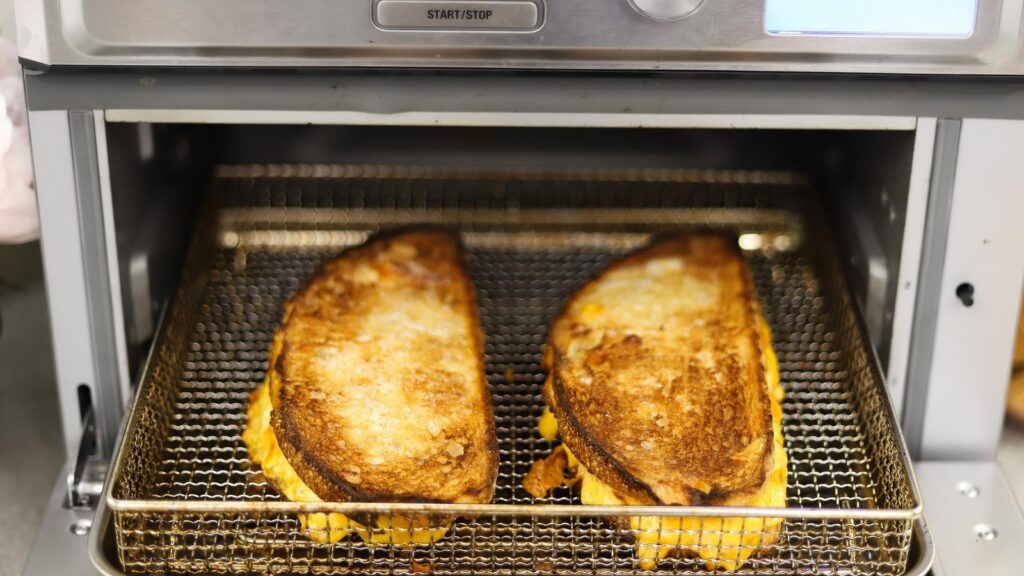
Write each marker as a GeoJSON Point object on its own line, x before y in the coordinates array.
{"type": "Point", "coordinates": [185, 498]}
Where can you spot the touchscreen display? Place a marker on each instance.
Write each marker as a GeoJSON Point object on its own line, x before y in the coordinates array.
{"type": "Point", "coordinates": [927, 18]}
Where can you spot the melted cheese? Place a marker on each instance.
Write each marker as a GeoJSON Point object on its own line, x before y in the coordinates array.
{"type": "Point", "coordinates": [548, 425]}
{"type": "Point", "coordinates": [329, 528]}
{"type": "Point", "coordinates": [724, 543]}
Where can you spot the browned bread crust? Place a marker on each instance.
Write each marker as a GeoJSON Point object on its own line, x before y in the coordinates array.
{"type": "Point", "coordinates": [377, 377]}
{"type": "Point", "coordinates": [658, 377]}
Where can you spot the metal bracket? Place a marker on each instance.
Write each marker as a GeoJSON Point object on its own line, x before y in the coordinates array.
{"type": "Point", "coordinates": [85, 482]}
{"type": "Point", "coordinates": [974, 518]}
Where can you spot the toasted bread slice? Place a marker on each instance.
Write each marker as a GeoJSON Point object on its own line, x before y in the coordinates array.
{"type": "Point", "coordinates": [377, 379]}
{"type": "Point", "coordinates": [658, 379]}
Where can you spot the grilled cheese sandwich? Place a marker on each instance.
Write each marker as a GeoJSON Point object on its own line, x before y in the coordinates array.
{"type": "Point", "coordinates": [375, 391]}
{"type": "Point", "coordinates": [679, 285]}
{"type": "Point", "coordinates": [323, 528]}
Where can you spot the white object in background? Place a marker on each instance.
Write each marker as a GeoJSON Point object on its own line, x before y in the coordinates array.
{"type": "Point", "coordinates": [19, 219]}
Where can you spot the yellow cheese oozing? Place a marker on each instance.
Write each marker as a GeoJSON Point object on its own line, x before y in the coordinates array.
{"type": "Point", "coordinates": [724, 543]}
{"type": "Point", "coordinates": [329, 528]}
{"type": "Point", "coordinates": [548, 425]}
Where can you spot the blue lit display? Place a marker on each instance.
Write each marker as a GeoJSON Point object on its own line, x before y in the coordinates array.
{"type": "Point", "coordinates": [936, 18]}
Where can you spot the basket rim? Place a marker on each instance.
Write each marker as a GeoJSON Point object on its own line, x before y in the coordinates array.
{"type": "Point", "coordinates": [781, 217]}
{"type": "Point", "coordinates": [546, 510]}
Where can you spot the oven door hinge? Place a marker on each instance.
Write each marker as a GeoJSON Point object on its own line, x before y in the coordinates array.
{"type": "Point", "coordinates": [85, 482]}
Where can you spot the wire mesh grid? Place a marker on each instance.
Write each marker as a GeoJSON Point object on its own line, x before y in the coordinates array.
{"type": "Point", "coordinates": [267, 235]}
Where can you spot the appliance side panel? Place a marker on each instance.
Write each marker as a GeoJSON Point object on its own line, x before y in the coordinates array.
{"type": "Point", "coordinates": [978, 295]}
{"type": "Point", "coordinates": [31, 25]}
{"type": "Point", "coordinates": [910, 260]}
{"type": "Point", "coordinates": [75, 266]}
{"type": "Point", "coordinates": [112, 257]}
{"type": "Point", "coordinates": [63, 264]}
{"type": "Point", "coordinates": [933, 254]}
{"type": "Point", "coordinates": [107, 401]}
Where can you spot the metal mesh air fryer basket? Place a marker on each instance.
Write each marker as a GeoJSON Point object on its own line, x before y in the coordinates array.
{"type": "Point", "coordinates": [186, 499]}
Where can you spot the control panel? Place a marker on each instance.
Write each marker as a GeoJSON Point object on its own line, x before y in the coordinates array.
{"type": "Point", "coordinates": [837, 36]}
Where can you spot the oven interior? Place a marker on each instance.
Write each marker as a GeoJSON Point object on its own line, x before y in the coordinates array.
{"type": "Point", "coordinates": [160, 174]}
{"type": "Point", "coordinates": [540, 209]}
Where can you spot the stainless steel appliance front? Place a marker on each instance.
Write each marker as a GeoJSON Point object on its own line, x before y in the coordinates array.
{"type": "Point", "coordinates": [599, 34]}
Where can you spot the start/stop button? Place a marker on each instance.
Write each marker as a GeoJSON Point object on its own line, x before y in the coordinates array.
{"type": "Point", "coordinates": [457, 15]}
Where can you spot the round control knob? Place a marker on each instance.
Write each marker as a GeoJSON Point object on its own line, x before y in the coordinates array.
{"type": "Point", "coordinates": [666, 9]}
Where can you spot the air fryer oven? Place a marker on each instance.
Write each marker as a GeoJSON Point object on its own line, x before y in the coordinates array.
{"type": "Point", "coordinates": [195, 163]}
